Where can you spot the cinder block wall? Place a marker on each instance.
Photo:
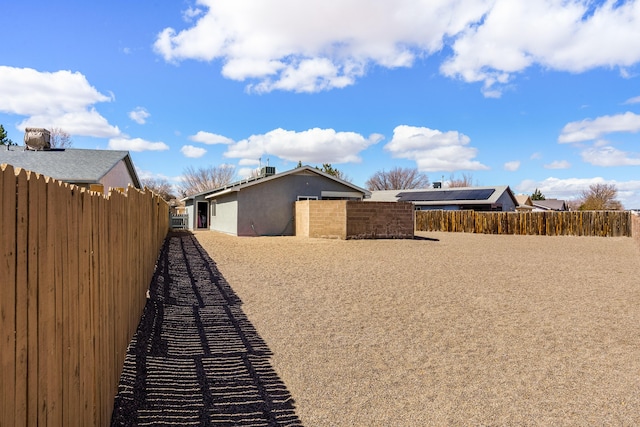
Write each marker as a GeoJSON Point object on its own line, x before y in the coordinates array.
{"type": "Point", "coordinates": [380, 220]}
{"type": "Point", "coordinates": [341, 219]}
{"type": "Point", "coordinates": [321, 218]}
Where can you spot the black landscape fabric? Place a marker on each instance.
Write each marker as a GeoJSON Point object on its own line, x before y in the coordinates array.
{"type": "Point", "coordinates": [195, 359]}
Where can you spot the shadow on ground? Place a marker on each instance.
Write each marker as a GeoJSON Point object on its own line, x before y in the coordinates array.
{"type": "Point", "coordinates": [195, 358]}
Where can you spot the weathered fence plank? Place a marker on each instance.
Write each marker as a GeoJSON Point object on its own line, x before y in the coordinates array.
{"type": "Point", "coordinates": [585, 223]}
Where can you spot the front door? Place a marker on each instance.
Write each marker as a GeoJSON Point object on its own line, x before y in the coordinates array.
{"type": "Point", "coordinates": [202, 215]}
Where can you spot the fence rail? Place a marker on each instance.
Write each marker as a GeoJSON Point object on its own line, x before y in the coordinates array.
{"type": "Point", "coordinates": [578, 223]}
{"type": "Point", "coordinates": [74, 269]}
{"type": "Point", "coordinates": [179, 222]}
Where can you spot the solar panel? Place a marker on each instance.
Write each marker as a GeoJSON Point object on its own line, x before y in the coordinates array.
{"type": "Point", "coordinates": [446, 195]}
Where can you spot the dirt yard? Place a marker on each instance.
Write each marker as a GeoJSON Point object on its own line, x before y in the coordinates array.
{"type": "Point", "coordinates": [450, 329]}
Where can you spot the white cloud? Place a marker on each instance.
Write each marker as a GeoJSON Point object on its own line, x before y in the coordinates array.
{"type": "Point", "coordinates": [192, 152]}
{"type": "Point", "coordinates": [558, 164]}
{"type": "Point", "coordinates": [60, 99]}
{"type": "Point", "coordinates": [571, 188]}
{"type": "Point", "coordinates": [564, 35]}
{"type": "Point", "coordinates": [591, 129]}
{"type": "Point", "coordinates": [609, 156]}
{"type": "Point", "coordinates": [191, 13]}
{"type": "Point", "coordinates": [634, 100]}
{"type": "Point", "coordinates": [146, 174]}
{"type": "Point", "coordinates": [210, 138]}
{"type": "Point", "coordinates": [555, 188]}
{"type": "Point", "coordinates": [313, 145]}
{"type": "Point", "coordinates": [309, 75]}
{"type": "Point", "coordinates": [249, 162]}
{"type": "Point", "coordinates": [434, 150]}
{"type": "Point", "coordinates": [139, 115]}
{"type": "Point", "coordinates": [512, 166]}
{"type": "Point", "coordinates": [536, 156]}
{"type": "Point", "coordinates": [246, 172]}
{"type": "Point", "coordinates": [136, 144]}
{"type": "Point", "coordinates": [288, 44]}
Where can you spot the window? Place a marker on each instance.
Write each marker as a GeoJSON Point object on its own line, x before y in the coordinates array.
{"type": "Point", "coordinates": [213, 207]}
{"type": "Point", "coordinates": [307, 198]}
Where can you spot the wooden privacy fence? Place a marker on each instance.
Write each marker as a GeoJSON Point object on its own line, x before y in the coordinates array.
{"type": "Point", "coordinates": [635, 229]}
{"type": "Point", "coordinates": [548, 223]}
{"type": "Point", "coordinates": [74, 271]}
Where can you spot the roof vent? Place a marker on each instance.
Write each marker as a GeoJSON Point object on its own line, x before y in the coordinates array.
{"type": "Point", "coordinates": [37, 139]}
{"type": "Point", "coordinates": [267, 170]}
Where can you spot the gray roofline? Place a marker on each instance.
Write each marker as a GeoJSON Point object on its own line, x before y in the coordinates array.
{"type": "Point", "coordinates": [239, 185]}
{"type": "Point", "coordinates": [70, 164]}
{"type": "Point", "coordinates": [128, 161]}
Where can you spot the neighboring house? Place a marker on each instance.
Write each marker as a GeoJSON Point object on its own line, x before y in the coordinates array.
{"type": "Point", "coordinates": [264, 205]}
{"type": "Point", "coordinates": [524, 203]}
{"type": "Point", "coordinates": [499, 198]}
{"type": "Point", "coordinates": [550, 205]}
{"type": "Point", "coordinates": [98, 170]}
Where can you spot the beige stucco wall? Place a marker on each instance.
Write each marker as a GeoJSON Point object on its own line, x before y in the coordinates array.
{"type": "Point", "coordinates": [117, 177]}
{"type": "Point", "coordinates": [342, 219]}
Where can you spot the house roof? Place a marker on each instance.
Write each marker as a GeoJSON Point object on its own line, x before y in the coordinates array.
{"type": "Point", "coordinates": [550, 204]}
{"type": "Point", "coordinates": [249, 182]}
{"type": "Point", "coordinates": [78, 166]}
{"type": "Point", "coordinates": [523, 200]}
{"type": "Point", "coordinates": [444, 196]}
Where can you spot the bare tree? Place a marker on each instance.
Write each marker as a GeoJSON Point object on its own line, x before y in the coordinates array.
{"type": "Point", "coordinates": [60, 138]}
{"type": "Point", "coordinates": [161, 187]}
{"type": "Point", "coordinates": [203, 179]}
{"type": "Point", "coordinates": [397, 179]}
{"type": "Point", "coordinates": [465, 181]}
{"type": "Point", "coordinates": [600, 197]}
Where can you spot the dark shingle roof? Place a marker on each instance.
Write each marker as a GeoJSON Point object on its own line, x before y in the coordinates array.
{"type": "Point", "coordinates": [445, 196]}
{"type": "Point", "coordinates": [68, 165]}
{"type": "Point", "coordinates": [550, 204]}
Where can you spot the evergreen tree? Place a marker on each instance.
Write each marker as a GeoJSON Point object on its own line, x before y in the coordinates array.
{"type": "Point", "coordinates": [3, 137]}
{"type": "Point", "coordinates": [328, 169]}
{"type": "Point", "coordinates": [537, 195]}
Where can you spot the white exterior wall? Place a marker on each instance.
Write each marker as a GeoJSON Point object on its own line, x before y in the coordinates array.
{"type": "Point", "coordinates": [225, 219]}
{"type": "Point", "coordinates": [192, 218]}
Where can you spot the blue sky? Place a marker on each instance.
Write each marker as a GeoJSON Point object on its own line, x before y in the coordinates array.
{"type": "Point", "coordinates": [542, 94]}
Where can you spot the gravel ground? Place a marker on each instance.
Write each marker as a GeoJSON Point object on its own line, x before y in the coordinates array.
{"type": "Point", "coordinates": [446, 329]}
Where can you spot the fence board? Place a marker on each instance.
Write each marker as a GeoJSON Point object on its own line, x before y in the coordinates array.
{"type": "Point", "coordinates": [59, 258]}
{"type": "Point", "coordinates": [8, 308]}
{"type": "Point", "coordinates": [22, 220]}
{"type": "Point", "coordinates": [72, 341]}
{"type": "Point", "coordinates": [86, 327]}
{"type": "Point", "coordinates": [587, 223]}
{"type": "Point", "coordinates": [75, 269]}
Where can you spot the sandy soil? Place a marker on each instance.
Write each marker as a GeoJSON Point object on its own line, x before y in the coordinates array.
{"type": "Point", "coordinates": [456, 329]}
